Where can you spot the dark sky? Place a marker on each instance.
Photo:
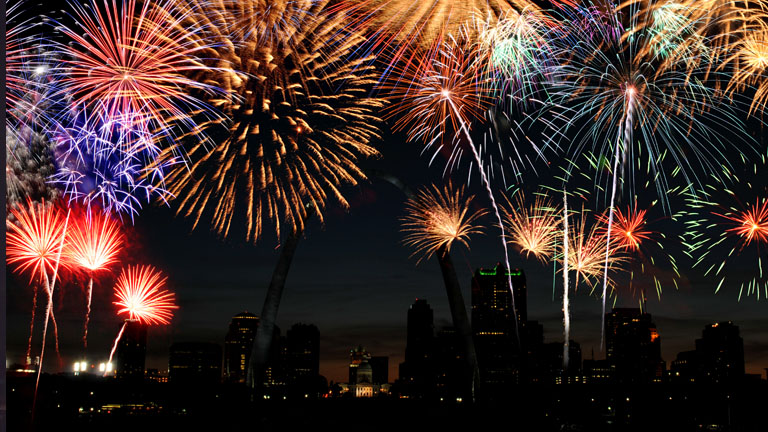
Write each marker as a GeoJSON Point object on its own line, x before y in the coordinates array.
{"type": "Point", "coordinates": [354, 279]}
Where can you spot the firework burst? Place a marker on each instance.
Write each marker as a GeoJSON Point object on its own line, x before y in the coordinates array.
{"type": "Point", "coordinates": [723, 222]}
{"type": "Point", "coordinates": [587, 243]}
{"type": "Point", "coordinates": [104, 162]}
{"type": "Point", "coordinates": [533, 228]}
{"type": "Point", "coordinates": [93, 243]}
{"type": "Point", "coordinates": [644, 249]}
{"type": "Point", "coordinates": [437, 218]}
{"type": "Point", "coordinates": [141, 294]}
{"type": "Point", "coordinates": [301, 118]}
{"type": "Point", "coordinates": [133, 58]}
{"type": "Point", "coordinates": [747, 53]}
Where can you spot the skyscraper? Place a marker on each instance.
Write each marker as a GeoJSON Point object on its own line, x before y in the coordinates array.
{"type": "Point", "coordinates": [132, 351]}
{"type": "Point", "coordinates": [238, 345]}
{"type": "Point", "coordinates": [302, 352]}
{"type": "Point", "coordinates": [493, 323]}
{"type": "Point", "coordinates": [194, 363]}
{"type": "Point", "coordinates": [633, 346]}
{"type": "Point", "coordinates": [720, 353]}
{"type": "Point", "coordinates": [416, 372]}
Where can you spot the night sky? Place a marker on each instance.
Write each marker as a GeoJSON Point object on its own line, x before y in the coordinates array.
{"type": "Point", "coordinates": [355, 280]}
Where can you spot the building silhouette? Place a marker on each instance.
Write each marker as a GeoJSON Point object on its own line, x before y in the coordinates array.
{"type": "Point", "coordinates": [238, 345]}
{"type": "Point", "coordinates": [499, 352]}
{"type": "Point", "coordinates": [633, 347]}
{"type": "Point", "coordinates": [717, 359]}
{"type": "Point", "coordinates": [452, 381]}
{"type": "Point", "coordinates": [132, 351]}
{"type": "Point", "coordinates": [194, 363]}
{"type": "Point", "coordinates": [302, 345]}
{"type": "Point", "coordinates": [417, 374]}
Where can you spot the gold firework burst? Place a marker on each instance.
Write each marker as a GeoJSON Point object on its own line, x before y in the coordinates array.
{"type": "Point", "coordinates": [437, 218]}
{"type": "Point", "coordinates": [300, 118]}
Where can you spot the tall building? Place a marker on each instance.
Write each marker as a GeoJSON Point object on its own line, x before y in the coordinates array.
{"type": "Point", "coordinates": [302, 352]}
{"type": "Point", "coordinates": [633, 346]}
{"type": "Point", "coordinates": [238, 345]}
{"type": "Point", "coordinates": [132, 351]}
{"type": "Point", "coordinates": [453, 380]}
{"type": "Point", "coordinates": [493, 324]}
{"type": "Point", "coordinates": [195, 363]}
{"type": "Point", "coordinates": [416, 372]}
{"type": "Point", "coordinates": [720, 353]}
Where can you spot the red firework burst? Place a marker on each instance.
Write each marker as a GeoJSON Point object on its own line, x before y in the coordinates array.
{"type": "Point", "coordinates": [752, 223]}
{"type": "Point", "coordinates": [34, 241]}
{"type": "Point", "coordinates": [628, 229]}
{"type": "Point", "coordinates": [141, 294]}
{"type": "Point", "coordinates": [94, 241]}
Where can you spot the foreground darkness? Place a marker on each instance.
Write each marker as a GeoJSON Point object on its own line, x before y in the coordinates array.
{"type": "Point", "coordinates": [65, 402]}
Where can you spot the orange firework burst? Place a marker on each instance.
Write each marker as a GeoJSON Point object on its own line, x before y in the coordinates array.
{"type": "Point", "coordinates": [437, 218]}
{"type": "Point", "coordinates": [301, 118]}
{"type": "Point", "coordinates": [405, 27]}
{"type": "Point", "coordinates": [533, 229]}
{"type": "Point", "coordinates": [130, 58]}
{"type": "Point", "coordinates": [432, 97]}
{"type": "Point", "coordinates": [94, 241]}
{"type": "Point", "coordinates": [34, 241]}
{"type": "Point", "coordinates": [141, 294]}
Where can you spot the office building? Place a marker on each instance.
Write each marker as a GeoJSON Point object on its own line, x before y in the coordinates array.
{"type": "Point", "coordinates": [194, 363]}
{"type": "Point", "coordinates": [131, 351]}
{"type": "Point", "coordinates": [238, 345]}
{"type": "Point", "coordinates": [633, 346]}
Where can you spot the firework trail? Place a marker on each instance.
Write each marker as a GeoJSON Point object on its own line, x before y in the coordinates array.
{"type": "Point", "coordinates": [133, 58]}
{"type": "Point", "coordinates": [141, 294]}
{"type": "Point", "coordinates": [442, 96]}
{"type": "Point", "coordinates": [731, 223]}
{"type": "Point", "coordinates": [620, 75]}
{"type": "Point", "coordinates": [437, 218]}
{"type": "Point", "coordinates": [566, 302]}
{"type": "Point", "coordinates": [94, 241]}
{"type": "Point", "coordinates": [33, 244]}
{"type": "Point", "coordinates": [301, 118]}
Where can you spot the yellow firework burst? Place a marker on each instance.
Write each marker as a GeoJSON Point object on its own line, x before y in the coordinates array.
{"type": "Point", "coordinates": [437, 218]}
{"type": "Point", "coordinates": [533, 229]}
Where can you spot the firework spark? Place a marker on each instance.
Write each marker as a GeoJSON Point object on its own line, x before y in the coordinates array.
{"type": "Point", "coordinates": [533, 228]}
{"type": "Point", "coordinates": [404, 29]}
{"type": "Point", "coordinates": [301, 120]}
{"type": "Point", "coordinates": [141, 293]}
{"type": "Point", "coordinates": [437, 218]}
{"type": "Point", "coordinates": [134, 57]}
{"type": "Point", "coordinates": [724, 230]}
